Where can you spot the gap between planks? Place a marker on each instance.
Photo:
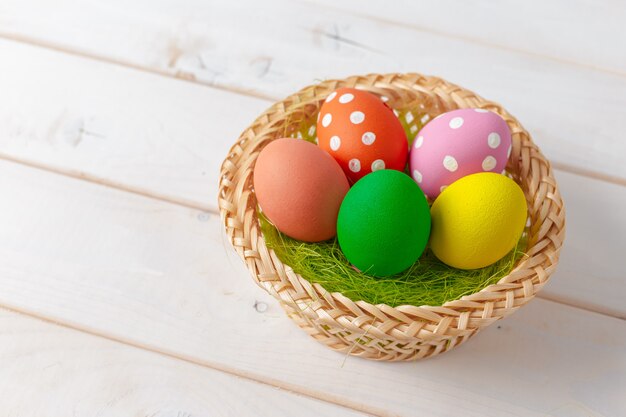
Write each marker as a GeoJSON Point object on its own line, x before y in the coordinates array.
{"type": "Point", "coordinates": [190, 78]}
{"type": "Point", "coordinates": [582, 172]}
{"type": "Point", "coordinates": [179, 75]}
{"type": "Point", "coordinates": [567, 302]}
{"type": "Point", "coordinates": [65, 369]}
{"type": "Point", "coordinates": [282, 385]}
{"type": "Point", "coordinates": [108, 183]}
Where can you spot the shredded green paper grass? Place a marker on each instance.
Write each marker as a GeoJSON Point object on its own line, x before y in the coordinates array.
{"type": "Point", "coordinates": [427, 282]}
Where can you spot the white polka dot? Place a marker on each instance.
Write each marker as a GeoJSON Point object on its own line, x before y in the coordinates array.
{"type": "Point", "coordinates": [335, 143]}
{"type": "Point", "coordinates": [357, 117]}
{"type": "Point", "coordinates": [443, 187]}
{"type": "Point", "coordinates": [311, 130]}
{"type": "Point", "coordinates": [450, 163]}
{"type": "Point", "coordinates": [368, 138]}
{"type": "Point", "coordinates": [409, 117]}
{"type": "Point", "coordinates": [354, 165]}
{"type": "Point", "coordinates": [493, 140]}
{"type": "Point", "coordinates": [346, 98]}
{"type": "Point", "coordinates": [419, 142]}
{"type": "Point", "coordinates": [327, 119]}
{"type": "Point", "coordinates": [456, 123]}
{"type": "Point", "coordinates": [417, 176]}
{"type": "Point", "coordinates": [316, 141]}
{"type": "Point", "coordinates": [331, 96]}
{"type": "Point", "coordinates": [413, 129]}
{"type": "Point", "coordinates": [425, 118]}
{"type": "Point", "coordinates": [508, 153]}
{"type": "Point", "coordinates": [377, 165]}
{"type": "Point", "coordinates": [481, 111]}
{"type": "Point", "coordinates": [489, 163]}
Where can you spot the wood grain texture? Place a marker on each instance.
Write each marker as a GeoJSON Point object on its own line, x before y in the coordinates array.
{"type": "Point", "coordinates": [590, 274]}
{"type": "Point", "coordinates": [574, 111]}
{"type": "Point", "coordinates": [117, 126]}
{"type": "Point", "coordinates": [579, 32]}
{"type": "Point", "coordinates": [167, 138]}
{"type": "Point", "coordinates": [157, 275]}
{"type": "Point", "coordinates": [48, 370]}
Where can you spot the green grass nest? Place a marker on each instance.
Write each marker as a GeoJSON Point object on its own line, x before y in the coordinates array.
{"type": "Point", "coordinates": [427, 282]}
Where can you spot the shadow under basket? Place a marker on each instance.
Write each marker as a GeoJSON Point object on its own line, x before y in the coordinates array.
{"type": "Point", "coordinates": [379, 331]}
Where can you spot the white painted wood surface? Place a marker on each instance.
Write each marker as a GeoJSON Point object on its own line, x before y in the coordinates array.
{"type": "Point", "coordinates": [577, 31]}
{"type": "Point", "coordinates": [117, 126]}
{"type": "Point", "coordinates": [164, 269]}
{"type": "Point", "coordinates": [48, 370]}
{"type": "Point", "coordinates": [130, 249]}
{"type": "Point", "coordinates": [575, 111]}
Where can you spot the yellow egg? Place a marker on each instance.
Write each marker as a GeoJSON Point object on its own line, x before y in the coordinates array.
{"type": "Point", "coordinates": [477, 220]}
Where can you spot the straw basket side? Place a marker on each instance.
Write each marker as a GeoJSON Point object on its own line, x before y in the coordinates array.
{"type": "Point", "coordinates": [382, 332]}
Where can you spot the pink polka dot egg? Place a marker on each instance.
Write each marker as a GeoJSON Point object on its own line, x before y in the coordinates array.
{"type": "Point", "coordinates": [458, 143]}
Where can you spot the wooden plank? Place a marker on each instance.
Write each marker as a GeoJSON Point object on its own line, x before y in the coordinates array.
{"type": "Point", "coordinates": [574, 111]}
{"type": "Point", "coordinates": [116, 126]}
{"type": "Point", "coordinates": [579, 32]}
{"type": "Point", "coordinates": [157, 275]}
{"type": "Point", "coordinates": [48, 370]}
{"type": "Point", "coordinates": [575, 31]}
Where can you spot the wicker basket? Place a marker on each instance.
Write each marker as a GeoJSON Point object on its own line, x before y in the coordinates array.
{"type": "Point", "coordinates": [379, 331]}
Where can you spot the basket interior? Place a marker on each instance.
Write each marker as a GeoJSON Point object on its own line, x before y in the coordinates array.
{"type": "Point", "coordinates": [427, 282]}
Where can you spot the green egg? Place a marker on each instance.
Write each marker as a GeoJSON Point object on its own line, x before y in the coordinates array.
{"type": "Point", "coordinates": [384, 223]}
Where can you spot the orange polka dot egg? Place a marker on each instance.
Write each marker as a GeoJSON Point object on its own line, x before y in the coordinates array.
{"type": "Point", "coordinates": [361, 132]}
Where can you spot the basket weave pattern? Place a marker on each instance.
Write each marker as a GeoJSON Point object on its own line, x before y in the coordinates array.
{"type": "Point", "coordinates": [382, 332]}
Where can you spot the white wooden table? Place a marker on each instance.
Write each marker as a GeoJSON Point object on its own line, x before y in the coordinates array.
{"type": "Point", "coordinates": [120, 297]}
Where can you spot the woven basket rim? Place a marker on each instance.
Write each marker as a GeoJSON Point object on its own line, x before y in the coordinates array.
{"type": "Point", "coordinates": [238, 207]}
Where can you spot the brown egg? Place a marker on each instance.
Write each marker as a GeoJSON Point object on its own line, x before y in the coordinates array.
{"type": "Point", "coordinates": [300, 188]}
